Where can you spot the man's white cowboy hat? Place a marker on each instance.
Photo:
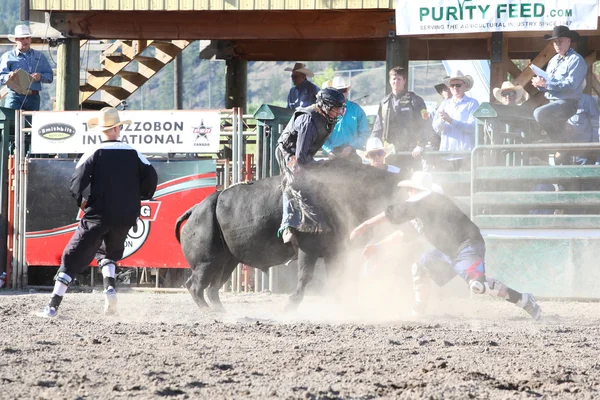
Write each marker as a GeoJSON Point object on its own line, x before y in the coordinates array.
{"type": "Point", "coordinates": [374, 144]}
{"type": "Point", "coordinates": [21, 31]}
{"type": "Point", "coordinates": [340, 82]}
{"type": "Point", "coordinates": [506, 86]}
{"type": "Point", "coordinates": [459, 76]}
{"type": "Point", "coordinates": [299, 67]}
{"type": "Point", "coordinates": [107, 118]}
{"type": "Point", "coordinates": [422, 181]}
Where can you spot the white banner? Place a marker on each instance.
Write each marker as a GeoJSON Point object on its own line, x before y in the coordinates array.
{"type": "Point", "coordinates": [149, 132]}
{"type": "Point", "coordinates": [468, 16]}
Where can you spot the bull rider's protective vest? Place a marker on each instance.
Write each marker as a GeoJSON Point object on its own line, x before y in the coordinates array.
{"type": "Point", "coordinates": [289, 136]}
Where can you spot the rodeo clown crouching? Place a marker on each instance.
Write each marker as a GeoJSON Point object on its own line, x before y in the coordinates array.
{"type": "Point", "coordinates": [303, 136]}
{"type": "Point", "coordinates": [459, 245]}
{"type": "Point", "coordinates": [119, 178]}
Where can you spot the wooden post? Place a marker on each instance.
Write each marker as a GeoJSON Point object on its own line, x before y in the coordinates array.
{"type": "Point", "coordinates": [497, 70]}
{"type": "Point", "coordinates": [236, 83]}
{"type": "Point", "coordinates": [396, 54]}
{"type": "Point", "coordinates": [67, 76]}
{"type": "Point", "coordinates": [177, 87]}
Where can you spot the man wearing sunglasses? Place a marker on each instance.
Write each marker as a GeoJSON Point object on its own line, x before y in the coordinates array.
{"type": "Point", "coordinates": [566, 72]}
{"type": "Point", "coordinates": [454, 120]}
{"type": "Point", "coordinates": [304, 92]}
{"type": "Point", "coordinates": [351, 130]}
{"type": "Point", "coordinates": [402, 120]}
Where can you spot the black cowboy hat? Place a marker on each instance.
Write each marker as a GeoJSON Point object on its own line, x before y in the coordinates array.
{"type": "Point", "coordinates": [561, 31]}
{"type": "Point", "coordinates": [441, 86]}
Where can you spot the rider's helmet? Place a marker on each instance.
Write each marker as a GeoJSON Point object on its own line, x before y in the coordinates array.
{"type": "Point", "coordinates": [327, 99]}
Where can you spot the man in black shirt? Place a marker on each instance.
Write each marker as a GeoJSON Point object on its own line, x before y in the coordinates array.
{"type": "Point", "coordinates": [120, 178]}
{"type": "Point", "coordinates": [459, 246]}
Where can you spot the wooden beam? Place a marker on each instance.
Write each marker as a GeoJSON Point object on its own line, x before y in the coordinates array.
{"type": "Point", "coordinates": [542, 59]}
{"type": "Point", "coordinates": [229, 25]}
{"type": "Point", "coordinates": [313, 50]}
{"type": "Point", "coordinates": [497, 71]}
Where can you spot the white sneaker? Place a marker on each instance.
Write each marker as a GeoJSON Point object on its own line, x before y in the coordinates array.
{"type": "Point", "coordinates": [110, 301]}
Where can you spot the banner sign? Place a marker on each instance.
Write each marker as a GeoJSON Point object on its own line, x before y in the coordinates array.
{"type": "Point", "coordinates": [427, 17]}
{"type": "Point", "coordinates": [53, 215]}
{"type": "Point", "coordinates": [149, 132]}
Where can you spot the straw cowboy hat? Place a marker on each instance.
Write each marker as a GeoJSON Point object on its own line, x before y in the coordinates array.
{"type": "Point", "coordinates": [339, 82]}
{"type": "Point", "coordinates": [506, 86]}
{"type": "Point", "coordinates": [561, 31]}
{"type": "Point", "coordinates": [374, 144]}
{"type": "Point", "coordinates": [422, 181]}
{"type": "Point", "coordinates": [21, 31]}
{"type": "Point", "coordinates": [299, 67]}
{"type": "Point", "coordinates": [441, 86]}
{"type": "Point", "coordinates": [459, 76]}
{"type": "Point", "coordinates": [108, 118]}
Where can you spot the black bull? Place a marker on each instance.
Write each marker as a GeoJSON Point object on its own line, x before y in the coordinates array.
{"type": "Point", "coordinates": [239, 225]}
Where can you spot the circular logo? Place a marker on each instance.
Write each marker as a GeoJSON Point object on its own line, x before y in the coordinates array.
{"type": "Point", "coordinates": [136, 237]}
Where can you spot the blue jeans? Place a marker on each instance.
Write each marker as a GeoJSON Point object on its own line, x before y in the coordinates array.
{"type": "Point", "coordinates": [553, 118]}
{"type": "Point", "coordinates": [17, 101]}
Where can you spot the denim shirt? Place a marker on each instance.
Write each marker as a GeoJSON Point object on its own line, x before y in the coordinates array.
{"type": "Point", "coordinates": [567, 76]}
{"type": "Point", "coordinates": [460, 134]}
{"type": "Point", "coordinates": [586, 122]}
{"type": "Point", "coordinates": [351, 130]}
{"type": "Point", "coordinates": [303, 95]}
{"type": "Point", "coordinates": [31, 61]}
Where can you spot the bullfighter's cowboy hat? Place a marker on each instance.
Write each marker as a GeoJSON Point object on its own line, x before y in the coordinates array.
{"type": "Point", "coordinates": [561, 31]}
{"type": "Point", "coordinates": [107, 118]}
{"type": "Point", "coordinates": [506, 86]}
{"type": "Point", "coordinates": [299, 67]}
{"type": "Point", "coordinates": [422, 181]}
{"type": "Point", "coordinates": [459, 76]}
{"type": "Point", "coordinates": [374, 144]}
{"type": "Point", "coordinates": [21, 31]}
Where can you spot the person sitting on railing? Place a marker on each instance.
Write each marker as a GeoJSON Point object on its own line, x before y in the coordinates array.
{"type": "Point", "coordinates": [454, 120]}
{"type": "Point", "coordinates": [459, 247]}
{"type": "Point", "coordinates": [402, 121]}
{"type": "Point", "coordinates": [582, 128]}
{"type": "Point", "coordinates": [566, 73]}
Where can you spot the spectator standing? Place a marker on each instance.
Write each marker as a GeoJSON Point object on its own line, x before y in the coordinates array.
{"type": "Point", "coordinates": [351, 130]}
{"type": "Point", "coordinates": [31, 61]}
{"type": "Point", "coordinates": [304, 92]}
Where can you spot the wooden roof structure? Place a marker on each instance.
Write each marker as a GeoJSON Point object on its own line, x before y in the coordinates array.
{"type": "Point", "coordinates": [291, 30]}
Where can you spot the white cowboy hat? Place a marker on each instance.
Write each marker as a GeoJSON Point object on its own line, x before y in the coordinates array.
{"type": "Point", "coordinates": [374, 144]}
{"type": "Point", "coordinates": [506, 86]}
{"type": "Point", "coordinates": [459, 76]}
{"type": "Point", "coordinates": [422, 181]}
{"type": "Point", "coordinates": [108, 118]}
{"type": "Point", "coordinates": [21, 31]}
{"type": "Point", "coordinates": [339, 82]}
{"type": "Point", "coordinates": [299, 67]}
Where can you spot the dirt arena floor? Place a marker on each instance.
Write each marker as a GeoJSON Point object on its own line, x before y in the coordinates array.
{"type": "Point", "coordinates": [161, 346]}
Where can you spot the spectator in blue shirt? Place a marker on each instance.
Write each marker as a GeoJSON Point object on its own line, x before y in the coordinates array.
{"type": "Point", "coordinates": [583, 127]}
{"type": "Point", "coordinates": [352, 130]}
{"type": "Point", "coordinates": [566, 72]}
{"type": "Point", "coordinates": [304, 92]}
{"type": "Point", "coordinates": [31, 61]}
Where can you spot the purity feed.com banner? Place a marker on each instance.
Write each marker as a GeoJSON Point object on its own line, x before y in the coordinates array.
{"type": "Point", "coordinates": [149, 131]}
{"type": "Point", "coordinates": [468, 16]}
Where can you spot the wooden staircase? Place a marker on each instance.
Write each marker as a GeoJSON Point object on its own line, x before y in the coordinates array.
{"type": "Point", "coordinates": [124, 59]}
